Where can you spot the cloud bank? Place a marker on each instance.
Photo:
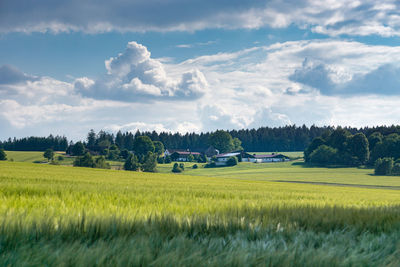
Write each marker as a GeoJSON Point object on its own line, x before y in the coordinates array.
{"type": "Point", "coordinates": [331, 17]}
{"type": "Point", "coordinates": [134, 76]}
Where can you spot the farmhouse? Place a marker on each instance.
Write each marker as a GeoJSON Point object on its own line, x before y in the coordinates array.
{"type": "Point", "coordinates": [183, 155]}
{"type": "Point", "coordinates": [262, 158]}
{"type": "Point", "coordinates": [223, 158]}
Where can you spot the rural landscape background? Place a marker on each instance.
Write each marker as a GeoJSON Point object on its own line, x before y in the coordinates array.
{"type": "Point", "coordinates": [208, 133]}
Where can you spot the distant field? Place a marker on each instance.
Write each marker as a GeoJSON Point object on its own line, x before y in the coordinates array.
{"type": "Point", "coordinates": [58, 215]}
{"type": "Point", "coordinates": [290, 171]}
{"type": "Point", "coordinates": [25, 156]}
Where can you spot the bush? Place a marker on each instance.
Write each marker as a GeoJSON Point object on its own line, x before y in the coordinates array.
{"type": "Point", "coordinates": [190, 158]}
{"type": "Point", "coordinates": [132, 163]}
{"type": "Point", "coordinates": [84, 161]}
{"type": "Point", "coordinates": [101, 163]}
{"type": "Point", "coordinates": [60, 158]}
{"type": "Point", "coordinates": [160, 160]}
{"type": "Point", "coordinates": [182, 166]}
{"type": "Point", "coordinates": [195, 166]}
{"type": "Point", "coordinates": [202, 159]}
{"type": "Point", "coordinates": [210, 165]}
{"type": "Point", "coordinates": [167, 159]}
{"type": "Point", "coordinates": [232, 161]}
{"type": "Point", "coordinates": [3, 155]}
{"type": "Point", "coordinates": [396, 169]}
{"type": "Point", "coordinates": [176, 168]}
{"type": "Point", "coordinates": [383, 166]}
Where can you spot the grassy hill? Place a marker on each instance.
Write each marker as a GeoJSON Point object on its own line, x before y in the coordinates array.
{"type": "Point", "coordinates": [60, 215]}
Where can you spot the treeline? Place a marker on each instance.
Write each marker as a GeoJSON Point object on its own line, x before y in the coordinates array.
{"type": "Point", "coordinates": [263, 139]}
{"type": "Point", "coordinates": [380, 147]}
{"type": "Point", "coordinates": [57, 143]}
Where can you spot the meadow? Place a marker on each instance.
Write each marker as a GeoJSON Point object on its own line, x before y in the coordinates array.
{"type": "Point", "coordinates": [63, 216]}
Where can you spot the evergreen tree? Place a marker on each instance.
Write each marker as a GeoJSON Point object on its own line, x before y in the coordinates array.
{"type": "Point", "coordinates": [78, 149]}
{"type": "Point", "coordinates": [150, 162]}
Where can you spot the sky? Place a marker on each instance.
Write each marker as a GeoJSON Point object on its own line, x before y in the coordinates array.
{"type": "Point", "coordinates": [196, 65]}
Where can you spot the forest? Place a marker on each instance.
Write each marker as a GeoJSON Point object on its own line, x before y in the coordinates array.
{"type": "Point", "coordinates": [263, 139]}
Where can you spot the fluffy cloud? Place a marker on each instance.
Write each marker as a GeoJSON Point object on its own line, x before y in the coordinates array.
{"type": "Point", "coordinates": [332, 17]}
{"type": "Point", "coordinates": [134, 76]}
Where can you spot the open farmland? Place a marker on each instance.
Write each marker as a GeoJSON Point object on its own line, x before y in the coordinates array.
{"type": "Point", "coordinates": [58, 215]}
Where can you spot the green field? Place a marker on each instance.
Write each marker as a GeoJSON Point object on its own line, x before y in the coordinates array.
{"type": "Point", "coordinates": [63, 216]}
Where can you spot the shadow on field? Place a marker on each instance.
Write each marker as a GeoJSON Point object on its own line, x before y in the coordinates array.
{"type": "Point", "coordinates": [310, 165]}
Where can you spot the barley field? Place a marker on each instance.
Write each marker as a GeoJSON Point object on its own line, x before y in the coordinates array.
{"type": "Point", "coordinates": [65, 216]}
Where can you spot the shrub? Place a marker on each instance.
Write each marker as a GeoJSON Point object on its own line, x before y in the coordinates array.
{"type": "Point", "coordinates": [396, 169]}
{"type": "Point", "coordinates": [160, 160]}
{"type": "Point", "coordinates": [167, 159]}
{"type": "Point", "coordinates": [190, 158]}
{"type": "Point", "coordinates": [176, 168]}
{"type": "Point", "coordinates": [182, 166]}
{"type": "Point", "coordinates": [202, 159]}
{"type": "Point", "coordinates": [195, 166]}
{"type": "Point", "coordinates": [383, 166]}
{"type": "Point", "coordinates": [132, 163]}
{"type": "Point", "coordinates": [84, 161]}
{"type": "Point", "coordinates": [3, 155]}
{"type": "Point", "coordinates": [232, 161]}
{"type": "Point", "coordinates": [101, 163]}
{"type": "Point", "coordinates": [49, 154]}
{"type": "Point", "coordinates": [210, 165]}
{"type": "Point", "coordinates": [60, 158]}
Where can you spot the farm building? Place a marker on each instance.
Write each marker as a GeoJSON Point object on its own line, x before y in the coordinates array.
{"type": "Point", "coordinates": [183, 155]}
{"type": "Point", "coordinates": [223, 158]}
{"type": "Point", "coordinates": [262, 158]}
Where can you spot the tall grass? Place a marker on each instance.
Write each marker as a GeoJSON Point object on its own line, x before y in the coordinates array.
{"type": "Point", "coordinates": [64, 216]}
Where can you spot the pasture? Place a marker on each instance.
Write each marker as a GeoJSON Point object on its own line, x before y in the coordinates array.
{"type": "Point", "coordinates": [59, 215]}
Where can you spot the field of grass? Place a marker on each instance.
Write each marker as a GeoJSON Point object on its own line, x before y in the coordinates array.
{"type": "Point", "coordinates": [63, 216]}
{"type": "Point", "coordinates": [294, 171]}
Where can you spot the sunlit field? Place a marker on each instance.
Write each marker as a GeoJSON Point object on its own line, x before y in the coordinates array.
{"type": "Point", "coordinates": [60, 215]}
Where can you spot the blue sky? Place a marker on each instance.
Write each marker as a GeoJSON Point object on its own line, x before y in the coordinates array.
{"type": "Point", "coordinates": [67, 67]}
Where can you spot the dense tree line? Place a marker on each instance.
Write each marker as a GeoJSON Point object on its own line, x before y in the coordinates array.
{"type": "Point", "coordinates": [57, 143]}
{"type": "Point", "coordinates": [288, 138]}
{"type": "Point", "coordinates": [379, 147]}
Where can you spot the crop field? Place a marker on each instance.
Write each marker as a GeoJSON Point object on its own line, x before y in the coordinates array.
{"type": "Point", "coordinates": [63, 216]}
